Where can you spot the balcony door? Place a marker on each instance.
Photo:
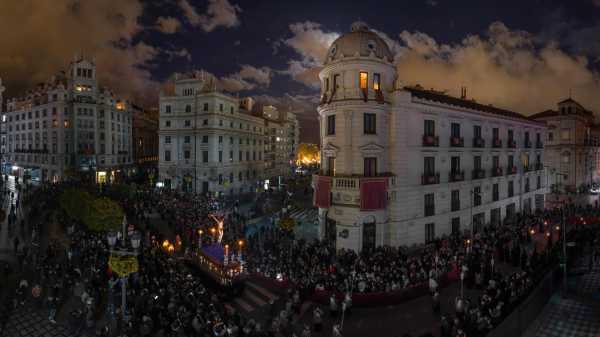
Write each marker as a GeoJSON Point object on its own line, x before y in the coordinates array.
{"type": "Point", "coordinates": [370, 167]}
{"type": "Point", "coordinates": [330, 166]}
{"type": "Point", "coordinates": [369, 236]}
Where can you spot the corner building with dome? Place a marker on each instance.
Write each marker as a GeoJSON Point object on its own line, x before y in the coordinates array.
{"type": "Point", "coordinates": [403, 165]}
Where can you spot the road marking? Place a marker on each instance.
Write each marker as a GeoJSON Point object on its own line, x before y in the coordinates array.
{"type": "Point", "coordinates": [263, 291]}
{"type": "Point", "coordinates": [243, 304]}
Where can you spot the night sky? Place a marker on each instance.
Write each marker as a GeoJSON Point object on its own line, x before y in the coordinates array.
{"type": "Point", "coordinates": [523, 55]}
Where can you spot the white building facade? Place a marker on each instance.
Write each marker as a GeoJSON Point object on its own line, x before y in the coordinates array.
{"type": "Point", "coordinates": [402, 165]}
{"type": "Point", "coordinates": [68, 126]}
{"type": "Point", "coordinates": [207, 143]}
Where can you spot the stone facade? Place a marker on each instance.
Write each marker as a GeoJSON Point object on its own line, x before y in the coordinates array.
{"type": "Point", "coordinates": [68, 126]}
{"type": "Point", "coordinates": [442, 164]}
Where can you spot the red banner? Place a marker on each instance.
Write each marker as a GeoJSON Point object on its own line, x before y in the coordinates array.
{"type": "Point", "coordinates": [322, 195]}
{"type": "Point", "coordinates": [373, 195]}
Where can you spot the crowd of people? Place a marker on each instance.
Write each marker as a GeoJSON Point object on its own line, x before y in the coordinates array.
{"type": "Point", "coordinates": [168, 298]}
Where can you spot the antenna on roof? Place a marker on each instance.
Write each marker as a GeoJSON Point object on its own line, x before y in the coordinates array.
{"type": "Point", "coordinates": [463, 92]}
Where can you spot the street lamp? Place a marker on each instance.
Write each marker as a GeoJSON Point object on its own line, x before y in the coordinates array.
{"type": "Point", "coordinates": [135, 240]}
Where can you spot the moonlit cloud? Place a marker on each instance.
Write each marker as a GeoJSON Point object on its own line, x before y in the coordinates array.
{"type": "Point", "coordinates": [167, 25]}
{"type": "Point", "coordinates": [505, 68]}
{"type": "Point", "coordinates": [220, 13]}
{"type": "Point", "coordinates": [248, 78]}
{"type": "Point", "coordinates": [40, 37]}
{"type": "Point", "coordinates": [310, 42]}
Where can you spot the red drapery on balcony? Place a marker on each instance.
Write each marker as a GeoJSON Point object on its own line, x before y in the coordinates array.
{"type": "Point", "coordinates": [322, 196]}
{"type": "Point", "coordinates": [373, 194]}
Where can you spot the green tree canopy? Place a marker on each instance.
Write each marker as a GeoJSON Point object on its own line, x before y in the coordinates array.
{"type": "Point", "coordinates": [97, 213]}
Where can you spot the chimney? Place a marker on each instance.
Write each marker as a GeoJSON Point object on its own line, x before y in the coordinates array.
{"type": "Point", "coordinates": [463, 92]}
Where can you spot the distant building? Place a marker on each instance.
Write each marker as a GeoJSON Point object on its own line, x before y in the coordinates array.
{"type": "Point", "coordinates": [282, 140]}
{"type": "Point", "coordinates": [207, 143]}
{"type": "Point", "coordinates": [404, 165]}
{"type": "Point", "coordinates": [145, 139]}
{"type": "Point", "coordinates": [572, 146]}
{"type": "Point", "coordinates": [2, 126]}
{"type": "Point", "coordinates": [69, 126]}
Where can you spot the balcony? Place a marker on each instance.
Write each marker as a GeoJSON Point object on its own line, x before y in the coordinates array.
{"type": "Point", "coordinates": [457, 142]}
{"type": "Point", "coordinates": [539, 144]}
{"type": "Point", "coordinates": [478, 174]}
{"type": "Point", "coordinates": [351, 190]}
{"type": "Point", "coordinates": [431, 141]}
{"type": "Point", "coordinates": [512, 144]}
{"type": "Point", "coordinates": [456, 176]}
{"type": "Point", "coordinates": [511, 170]}
{"type": "Point", "coordinates": [497, 172]}
{"type": "Point", "coordinates": [497, 143]}
{"type": "Point", "coordinates": [527, 168]}
{"type": "Point", "coordinates": [478, 142]}
{"type": "Point", "coordinates": [527, 144]}
{"type": "Point", "coordinates": [430, 179]}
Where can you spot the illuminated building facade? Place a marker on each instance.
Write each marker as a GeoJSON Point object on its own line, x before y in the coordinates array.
{"type": "Point", "coordinates": [404, 165]}
{"type": "Point", "coordinates": [69, 126]}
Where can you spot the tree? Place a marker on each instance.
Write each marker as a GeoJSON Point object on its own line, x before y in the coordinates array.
{"type": "Point", "coordinates": [97, 214]}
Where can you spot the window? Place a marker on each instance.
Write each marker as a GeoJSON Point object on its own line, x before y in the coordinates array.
{"type": "Point", "coordinates": [220, 179]}
{"type": "Point", "coordinates": [167, 109]}
{"type": "Point", "coordinates": [511, 189]}
{"type": "Point", "coordinates": [429, 204]}
{"type": "Point", "coordinates": [496, 133]}
{"type": "Point", "coordinates": [205, 156]}
{"type": "Point", "coordinates": [510, 135]}
{"type": "Point", "coordinates": [186, 154]}
{"type": "Point", "coordinates": [230, 155]}
{"type": "Point", "coordinates": [220, 156]}
{"type": "Point", "coordinates": [167, 124]}
{"type": "Point", "coordinates": [167, 155]}
{"type": "Point", "coordinates": [476, 131]}
{"type": "Point", "coordinates": [186, 139]}
{"type": "Point", "coordinates": [205, 139]}
{"type": "Point", "coordinates": [205, 122]}
{"type": "Point", "coordinates": [221, 107]}
{"type": "Point", "coordinates": [495, 162]}
{"type": "Point", "coordinates": [455, 201]}
{"type": "Point", "coordinates": [330, 166]}
{"type": "Point", "coordinates": [429, 127]}
{"type": "Point", "coordinates": [565, 134]}
{"type": "Point", "coordinates": [429, 232]}
{"type": "Point", "coordinates": [240, 157]}
{"type": "Point", "coordinates": [376, 81]}
{"type": "Point", "coordinates": [231, 110]}
{"type": "Point", "coordinates": [369, 123]}
{"type": "Point", "coordinates": [511, 161]}
{"type": "Point", "coordinates": [495, 192]}
{"type": "Point", "coordinates": [455, 226]}
{"type": "Point", "coordinates": [429, 166]}
{"type": "Point", "coordinates": [477, 162]}
{"type": "Point", "coordinates": [220, 139]}
{"type": "Point", "coordinates": [477, 196]}
{"type": "Point", "coordinates": [327, 84]}
{"type": "Point", "coordinates": [205, 108]}
{"type": "Point", "coordinates": [370, 167]}
{"type": "Point", "coordinates": [364, 80]}
{"type": "Point", "coordinates": [455, 164]}
{"type": "Point", "coordinates": [550, 136]}
{"type": "Point", "coordinates": [331, 125]}
{"type": "Point", "coordinates": [336, 81]}
{"type": "Point", "coordinates": [188, 108]}
{"type": "Point", "coordinates": [538, 184]}
{"type": "Point", "coordinates": [455, 130]}
{"type": "Point", "coordinates": [188, 123]}
{"type": "Point", "coordinates": [167, 139]}
{"type": "Point", "coordinates": [526, 137]}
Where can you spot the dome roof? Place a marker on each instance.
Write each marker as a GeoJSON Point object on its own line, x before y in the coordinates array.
{"type": "Point", "coordinates": [360, 41]}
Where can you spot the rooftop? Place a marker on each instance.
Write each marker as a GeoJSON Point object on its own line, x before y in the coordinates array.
{"type": "Point", "coordinates": [441, 97]}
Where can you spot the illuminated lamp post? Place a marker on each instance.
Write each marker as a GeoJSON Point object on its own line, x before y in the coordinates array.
{"type": "Point", "coordinates": [200, 232]}
{"type": "Point", "coordinates": [240, 244]}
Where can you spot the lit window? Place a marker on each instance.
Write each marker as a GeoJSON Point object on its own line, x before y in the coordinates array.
{"type": "Point", "coordinates": [376, 81]}
{"type": "Point", "coordinates": [364, 80]}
